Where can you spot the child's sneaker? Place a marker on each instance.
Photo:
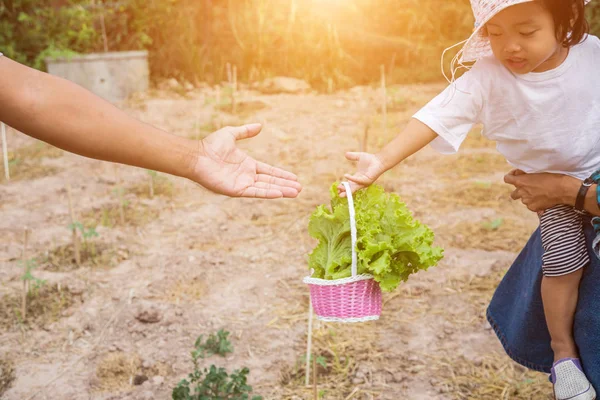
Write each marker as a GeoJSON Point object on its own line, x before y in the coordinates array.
{"type": "Point", "coordinates": [570, 383]}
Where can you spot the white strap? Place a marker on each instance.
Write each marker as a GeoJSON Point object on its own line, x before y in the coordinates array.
{"type": "Point", "coordinates": [352, 225]}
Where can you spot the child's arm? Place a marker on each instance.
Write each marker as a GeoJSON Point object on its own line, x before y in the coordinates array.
{"type": "Point", "coordinates": [413, 138]}
{"type": "Point", "coordinates": [67, 116]}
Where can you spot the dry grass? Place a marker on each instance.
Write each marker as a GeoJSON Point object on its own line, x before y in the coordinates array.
{"type": "Point", "coordinates": [30, 171]}
{"type": "Point", "coordinates": [477, 288]}
{"type": "Point", "coordinates": [475, 140]}
{"type": "Point", "coordinates": [185, 290]}
{"type": "Point", "coordinates": [243, 109]}
{"type": "Point", "coordinates": [108, 215]}
{"type": "Point", "coordinates": [495, 377]}
{"type": "Point", "coordinates": [116, 371]}
{"type": "Point", "coordinates": [496, 234]}
{"type": "Point", "coordinates": [158, 369]}
{"type": "Point", "coordinates": [120, 371]}
{"type": "Point", "coordinates": [162, 187]}
{"type": "Point", "coordinates": [347, 357]}
{"type": "Point", "coordinates": [44, 306]}
{"type": "Point", "coordinates": [94, 254]}
{"type": "Point", "coordinates": [26, 163]}
{"type": "Point", "coordinates": [379, 134]}
{"type": "Point", "coordinates": [37, 150]}
{"type": "Point", "coordinates": [7, 374]}
{"type": "Point", "coordinates": [475, 194]}
{"type": "Point", "coordinates": [217, 120]}
{"type": "Point", "coordinates": [473, 293]}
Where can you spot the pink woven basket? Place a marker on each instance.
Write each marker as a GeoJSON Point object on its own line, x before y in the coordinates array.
{"type": "Point", "coordinates": [353, 299]}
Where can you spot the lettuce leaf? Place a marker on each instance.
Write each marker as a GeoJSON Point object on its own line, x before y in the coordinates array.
{"type": "Point", "coordinates": [391, 244]}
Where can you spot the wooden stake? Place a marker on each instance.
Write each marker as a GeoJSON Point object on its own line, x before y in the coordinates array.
{"type": "Point", "coordinates": [329, 85]}
{"type": "Point", "coordinates": [235, 80]}
{"type": "Point", "coordinates": [229, 76]}
{"type": "Point", "coordinates": [384, 100]}
{"type": "Point", "coordinates": [308, 343]}
{"type": "Point", "coordinates": [356, 390]}
{"type": "Point", "coordinates": [5, 151]}
{"type": "Point", "coordinates": [234, 90]}
{"type": "Point", "coordinates": [391, 70]}
{"type": "Point", "coordinates": [73, 221]}
{"type": "Point", "coordinates": [218, 95]}
{"type": "Point", "coordinates": [151, 182]}
{"type": "Point", "coordinates": [315, 391]}
{"type": "Point", "coordinates": [104, 37]}
{"type": "Point", "coordinates": [120, 196]}
{"type": "Point", "coordinates": [25, 282]}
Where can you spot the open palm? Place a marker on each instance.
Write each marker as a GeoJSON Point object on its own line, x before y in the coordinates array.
{"type": "Point", "coordinates": [223, 168]}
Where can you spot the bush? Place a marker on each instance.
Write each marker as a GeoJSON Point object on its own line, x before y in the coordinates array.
{"type": "Point", "coordinates": [31, 30]}
{"type": "Point", "coordinates": [344, 42]}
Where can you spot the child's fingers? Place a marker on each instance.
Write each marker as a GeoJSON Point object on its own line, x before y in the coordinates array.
{"type": "Point", "coordinates": [358, 179]}
{"type": "Point", "coordinates": [353, 156]}
{"type": "Point", "coordinates": [342, 189]}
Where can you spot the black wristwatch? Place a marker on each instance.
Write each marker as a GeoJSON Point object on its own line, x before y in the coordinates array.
{"type": "Point", "coordinates": [580, 201]}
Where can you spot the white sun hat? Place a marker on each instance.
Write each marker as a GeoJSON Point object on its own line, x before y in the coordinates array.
{"type": "Point", "coordinates": [477, 45]}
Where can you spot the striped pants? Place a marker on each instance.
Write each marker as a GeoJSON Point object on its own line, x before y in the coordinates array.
{"type": "Point", "coordinates": [565, 249]}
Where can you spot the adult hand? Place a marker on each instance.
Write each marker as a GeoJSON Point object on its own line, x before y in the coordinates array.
{"type": "Point", "coordinates": [540, 191]}
{"type": "Point", "coordinates": [223, 168]}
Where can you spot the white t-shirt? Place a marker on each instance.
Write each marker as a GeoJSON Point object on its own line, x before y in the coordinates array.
{"type": "Point", "coordinates": [541, 122]}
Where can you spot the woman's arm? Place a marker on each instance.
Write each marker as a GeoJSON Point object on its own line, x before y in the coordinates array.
{"type": "Point", "coordinates": [544, 190]}
{"type": "Point", "coordinates": [67, 116]}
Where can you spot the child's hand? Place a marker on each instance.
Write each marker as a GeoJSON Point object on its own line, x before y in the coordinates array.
{"type": "Point", "coordinates": [370, 167]}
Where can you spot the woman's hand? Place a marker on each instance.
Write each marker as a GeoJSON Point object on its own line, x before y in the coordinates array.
{"type": "Point", "coordinates": [540, 191]}
{"type": "Point", "coordinates": [223, 168]}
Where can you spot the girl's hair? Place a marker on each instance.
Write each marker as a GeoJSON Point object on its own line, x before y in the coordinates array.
{"type": "Point", "coordinates": [569, 20]}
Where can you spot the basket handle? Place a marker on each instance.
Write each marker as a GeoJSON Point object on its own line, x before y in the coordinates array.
{"type": "Point", "coordinates": [352, 225]}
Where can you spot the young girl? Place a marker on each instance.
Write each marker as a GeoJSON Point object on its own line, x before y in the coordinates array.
{"type": "Point", "coordinates": [535, 87]}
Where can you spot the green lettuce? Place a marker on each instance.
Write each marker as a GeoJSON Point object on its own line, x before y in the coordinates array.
{"type": "Point", "coordinates": [391, 244]}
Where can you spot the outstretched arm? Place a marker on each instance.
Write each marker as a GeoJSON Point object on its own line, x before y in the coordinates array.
{"type": "Point", "coordinates": [67, 116]}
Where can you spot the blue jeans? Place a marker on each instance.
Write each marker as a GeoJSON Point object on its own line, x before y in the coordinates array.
{"type": "Point", "coordinates": [516, 311]}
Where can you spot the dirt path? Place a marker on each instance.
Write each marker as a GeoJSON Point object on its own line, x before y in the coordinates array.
{"type": "Point", "coordinates": [200, 262]}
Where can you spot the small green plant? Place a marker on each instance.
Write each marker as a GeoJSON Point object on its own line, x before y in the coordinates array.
{"type": "Point", "coordinates": [493, 225]}
{"type": "Point", "coordinates": [214, 383]}
{"type": "Point", "coordinates": [215, 344]}
{"type": "Point", "coordinates": [87, 234]}
{"type": "Point", "coordinates": [322, 361]}
{"type": "Point", "coordinates": [483, 184]}
{"type": "Point", "coordinates": [33, 282]}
